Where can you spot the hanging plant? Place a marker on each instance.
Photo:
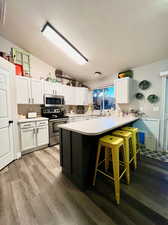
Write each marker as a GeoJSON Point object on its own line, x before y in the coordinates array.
{"type": "Point", "coordinates": [145, 84]}
{"type": "Point", "coordinates": [153, 99]}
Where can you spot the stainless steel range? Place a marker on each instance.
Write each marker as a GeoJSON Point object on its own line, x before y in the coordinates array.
{"type": "Point", "coordinates": [56, 117]}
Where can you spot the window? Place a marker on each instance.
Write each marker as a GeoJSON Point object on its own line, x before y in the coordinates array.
{"type": "Point", "coordinates": [104, 98]}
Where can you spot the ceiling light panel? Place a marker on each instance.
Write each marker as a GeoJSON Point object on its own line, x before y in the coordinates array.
{"type": "Point", "coordinates": [60, 41]}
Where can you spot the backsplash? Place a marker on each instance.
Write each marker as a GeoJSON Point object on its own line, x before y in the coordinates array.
{"type": "Point", "coordinates": [23, 109]}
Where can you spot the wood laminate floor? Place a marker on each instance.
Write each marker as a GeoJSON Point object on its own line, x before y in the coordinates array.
{"type": "Point", "coordinates": [33, 191]}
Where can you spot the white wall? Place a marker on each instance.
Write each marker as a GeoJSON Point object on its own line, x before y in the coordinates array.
{"type": "Point", "coordinates": [38, 68]}
{"type": "Point", "coordinates": [149, 72]}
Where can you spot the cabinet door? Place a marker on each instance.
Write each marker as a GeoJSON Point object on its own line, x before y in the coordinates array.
{"type": "Point", "coordinates": [70, 98]}
{"type": "Point", "coordinates": [81, 96]}
{"type": "Point", "coordinates": [123, 90]}
{"type": "Point", "coordinates": [42, 136]}
{"type": "Point", "coordinates": [23, 90]}
{"type": "Point", "coordinates": [59, 89]}
{"type": "Point", "coordinates": [36, 91]}
{"type": "Point", "coordinates": [28, 140]}
{"type": "Point", "coordinates": [48, 87]}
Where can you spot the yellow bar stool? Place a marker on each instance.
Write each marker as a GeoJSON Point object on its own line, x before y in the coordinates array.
{"type": "Point", "coordinates": [134, 132]}
{"type": "Point", "coordinates": [111, 144]}
{"type": "Point", "coordinates": [127, 136]}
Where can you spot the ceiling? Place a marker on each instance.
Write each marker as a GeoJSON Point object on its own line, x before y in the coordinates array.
{"type": "Point", "coordinates": [114, 34]}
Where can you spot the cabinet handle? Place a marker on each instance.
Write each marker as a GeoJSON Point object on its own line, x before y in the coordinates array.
{"type": "Point", "coordinates": [32, 100]}
{"type": "Point", "coordinates": [37, 130]}
{"type": "Point", "coordinates": [29, 100]}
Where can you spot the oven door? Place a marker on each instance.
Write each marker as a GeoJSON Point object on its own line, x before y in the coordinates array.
{"type": "Point", "coordinates": [53, 100]}
{"type": "Point", "coordinates": [54, 132]}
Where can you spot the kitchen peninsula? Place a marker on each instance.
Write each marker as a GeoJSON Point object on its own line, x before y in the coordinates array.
{"type": "Point", "coordinates": [78, 146]}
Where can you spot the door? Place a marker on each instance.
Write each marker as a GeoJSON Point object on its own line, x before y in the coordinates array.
{"type": "Point", "coordinates": [164, 117]}
{"type": "Point", "coordinates": [6, 135]}
{"type": "Point", "coordinates": [28, 139]}
{"type": "Point", "coordinates": [42, 136]}
{"type": "Point", "coordinates": [36, 91]}
{"type": "Point", "coordinates": [23, 90]}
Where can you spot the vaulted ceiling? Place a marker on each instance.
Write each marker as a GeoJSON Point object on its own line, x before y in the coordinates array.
{"type": "Point", "coordinates": [113, 34]}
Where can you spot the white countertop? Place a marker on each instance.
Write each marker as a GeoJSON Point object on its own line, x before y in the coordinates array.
{"type": "Point", "coordinates": [98, 126]}
{"type": "Point", "coordinates": [24, 120]}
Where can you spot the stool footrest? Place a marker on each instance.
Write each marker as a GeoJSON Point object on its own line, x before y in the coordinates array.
{"type": "Point", "coordinates": [105, 174]}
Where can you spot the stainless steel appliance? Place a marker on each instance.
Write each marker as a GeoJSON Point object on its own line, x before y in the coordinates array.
{"type": "Point", "coordinates": [53, 100]}
{"type": "Point", "coordinates": [56, 116]}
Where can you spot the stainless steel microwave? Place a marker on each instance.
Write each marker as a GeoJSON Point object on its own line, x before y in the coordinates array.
{"type": "Point", "coordinates": [53, 100]}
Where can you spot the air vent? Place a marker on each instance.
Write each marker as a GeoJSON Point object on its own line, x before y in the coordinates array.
{"type": "Point", "coordinates": [2, 11]}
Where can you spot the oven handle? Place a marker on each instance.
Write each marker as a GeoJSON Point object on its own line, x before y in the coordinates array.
{"type": "Point", "coordinates": [53, 129]}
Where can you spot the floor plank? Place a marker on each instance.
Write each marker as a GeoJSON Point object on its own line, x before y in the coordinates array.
{"type": "Point", "coordinates": [33, 191]}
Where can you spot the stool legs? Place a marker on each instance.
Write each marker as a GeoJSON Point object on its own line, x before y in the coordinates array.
{"type": "Point", "coordinates": [134, 145]}
{"type": "Point", "coordinates": [97, 163]}
{"type": "Point", "coordinates": [126, 160]}
{"type": "Point", "coordinates": [107, 158]}
{"type": "Point", "coordinates": [116, 171]}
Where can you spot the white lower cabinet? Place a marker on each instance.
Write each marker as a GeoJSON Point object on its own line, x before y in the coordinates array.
{"type": "Point", "coordinates": [33, 135]}
{"type": "Point", "coordinates": [28, 139]}
{"type": "Point", "coordinates": [42, 135]}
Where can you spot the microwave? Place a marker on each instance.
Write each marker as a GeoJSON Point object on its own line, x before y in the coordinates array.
{"type": "Point", "coordinates": [53, 100]}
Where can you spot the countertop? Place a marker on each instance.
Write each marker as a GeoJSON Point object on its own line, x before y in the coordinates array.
{"type": "Point", "coordinates": [98, 126]}
{"type": "Point", "coordinates": [31, 120]}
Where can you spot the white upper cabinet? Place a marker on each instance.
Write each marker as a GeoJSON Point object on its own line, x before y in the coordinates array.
{"type": "Point", "coordinates": [81, 96]}
{"type": "Point", "coordinates": [59, 89]}
{"type": "Point", "coordinates": [52, 88]}
{"type": "Point", "coordinates": [29, 91]}
{"type": "Point", "coordinates": [69, 95]}
{"type": "Point", "coordinates": [36, 91]}
{"type": "Point", "coordinates": [123, 90]}
{"type": "Point", "coordinates": [23, 90]}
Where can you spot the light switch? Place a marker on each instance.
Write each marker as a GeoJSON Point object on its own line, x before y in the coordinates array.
{"type": "Point", "coordinates": [155, 108]}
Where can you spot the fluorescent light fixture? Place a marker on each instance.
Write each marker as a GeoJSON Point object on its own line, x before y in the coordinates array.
{"type": "Point", "coordinates": [60, 41]}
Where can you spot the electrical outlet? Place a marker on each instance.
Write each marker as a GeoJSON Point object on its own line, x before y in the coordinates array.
{"type": "Point", "coordinates": [141, 109]}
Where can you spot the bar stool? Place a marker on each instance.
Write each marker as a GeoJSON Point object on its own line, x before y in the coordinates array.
{"type": "Point", "coordinates": [134, 132]}
{"type": "Point", "coordinates": [127, 136]}
{"type": "Point", "coordinates": [113, 144]}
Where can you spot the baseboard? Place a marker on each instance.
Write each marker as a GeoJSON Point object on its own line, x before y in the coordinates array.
{"type": "Point", "coordinates": [18, 155]}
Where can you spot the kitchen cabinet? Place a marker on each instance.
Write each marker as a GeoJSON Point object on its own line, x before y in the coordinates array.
{"type": "Point", "coordinates": [50, 88]}
{"type": "Point", "coordinates": [42, 135]}
{"type": "Point", "coordinates": [23, 91]}
{"type": "Point", "coordinates": [81, 96]}
{"type": "Point", "coordinates": [29, 91]}
{"type": "Point", "coordinates": [69, 95]}
{"type": "Point", "coordinates": [123, 90]}
{"type": "Point", "coordinates": [28, 140]}
{"type": "Point", "coordinates": [36, 91]}
{"type": "Point", "coordinates": [33, 135]}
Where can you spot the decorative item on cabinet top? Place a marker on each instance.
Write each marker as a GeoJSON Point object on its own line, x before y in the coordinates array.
{"type": "Point", "coordinates": [139, 96]}
{"type": "Point", "coordinates": [144, 84]}
{"type": "Point", "coordinates": [128, 73]}
{"type": "Point", "coordinates": [153, 98]}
